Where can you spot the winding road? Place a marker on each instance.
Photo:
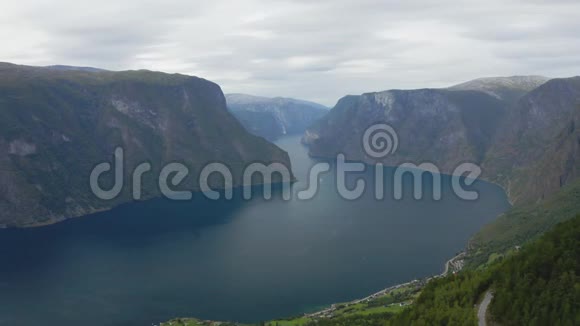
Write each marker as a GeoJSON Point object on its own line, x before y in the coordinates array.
{"type": "Point", "coordinates": [482, 312]}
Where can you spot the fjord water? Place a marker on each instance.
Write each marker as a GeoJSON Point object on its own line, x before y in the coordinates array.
{"type": "Point", "coordinates": [143, 263]}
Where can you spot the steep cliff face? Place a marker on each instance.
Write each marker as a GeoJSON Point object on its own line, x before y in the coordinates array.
{"type": "Point", "coordinates": [274, 117]}
{"type": "Point", "coordinates": [440, 126]}
{"type": "Point", "coordinates": [57, 124]}
{"type": "Point", "coordinates": [527, 142]}
{"type": "Point", "coordinates": [537, 147]}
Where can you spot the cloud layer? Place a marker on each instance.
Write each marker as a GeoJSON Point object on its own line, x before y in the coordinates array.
{"type": "Point", "coordinates": [315, 50]}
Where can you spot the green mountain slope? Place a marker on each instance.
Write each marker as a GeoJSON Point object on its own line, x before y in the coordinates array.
{"type": "Point", "coordinates": [523, 223]}
{"type": "Point", "coordinates": [541, 284]}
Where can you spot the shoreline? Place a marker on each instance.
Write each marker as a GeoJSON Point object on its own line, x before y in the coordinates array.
{"type": "Point", "coordinates": [57, 219]}
{"type": "Point", "coordinates": [452, 265]}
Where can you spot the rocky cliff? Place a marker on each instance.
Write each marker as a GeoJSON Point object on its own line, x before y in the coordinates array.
{"type": "Point", "coordinates": [522, 130]}
{"type": "Point", "coordinates": [274, 117]}
{"type": "Point", "coordinates": [57, 124]}
{"type": "Point", "coordinates": [536, 150]}
{"type": "Point", "coordinates": [441, 126]}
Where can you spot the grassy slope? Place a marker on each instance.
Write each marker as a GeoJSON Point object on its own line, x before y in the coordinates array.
{"type": "Point", "coordinates": [522, 224]}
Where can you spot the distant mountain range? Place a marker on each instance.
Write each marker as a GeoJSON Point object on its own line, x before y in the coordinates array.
{"type": "Point", "coordinates": [57, 123]}
{"type": "Point", "coordinates": [274, 117]}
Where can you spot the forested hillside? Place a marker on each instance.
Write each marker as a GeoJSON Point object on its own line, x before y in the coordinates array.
{"type": "Point", "coordinates": [541, 284]}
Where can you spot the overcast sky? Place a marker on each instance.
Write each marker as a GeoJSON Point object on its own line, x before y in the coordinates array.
{"type": "Point", "coordinates": [316, 50]}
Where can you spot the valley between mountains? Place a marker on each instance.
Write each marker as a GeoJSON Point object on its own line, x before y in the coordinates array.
{"type": "Point", "coordinates": [57, 123]}
{"type": "Point", "coordinates": [523, 132]}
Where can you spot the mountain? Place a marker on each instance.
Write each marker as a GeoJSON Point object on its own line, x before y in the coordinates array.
{"type": "Point", "coordinates": [437, 125]}
{"type": "Point", "coordinates": [64, 67]}
{"type": "Point", "coordinates": [504, 88]}
{"type": "Point", "coordinates": [530, 146]}
{"type": "Point", "coordinates": [537, 148]}
{"type": "Point", "coordinates": [56, 125]}
{"type": "Point", "coordinates": [274, 117]}
{"type": "Point", "coordinates": [522, 224]}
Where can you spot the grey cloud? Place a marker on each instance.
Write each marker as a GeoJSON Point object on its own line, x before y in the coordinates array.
{"type": "Point", "coordinates": [316, 50]}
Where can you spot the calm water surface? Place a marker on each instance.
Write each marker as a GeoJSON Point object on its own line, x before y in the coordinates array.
{"type": "Point", "coordinates": [144, 263]}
